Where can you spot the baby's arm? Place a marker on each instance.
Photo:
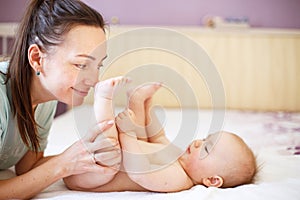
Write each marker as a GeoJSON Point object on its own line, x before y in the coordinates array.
{"type": "Point", "coordinates": [171, 178]}
{"type": "Point", "coordinates": [130, 144]}
{"type": "Point", "coordinates": [139, 165]}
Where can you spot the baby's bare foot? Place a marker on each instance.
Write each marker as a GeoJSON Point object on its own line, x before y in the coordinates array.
{"type": "Point", "coordinates": [107, 88]}
{"type": "Point", "coordinates": [143, 92]}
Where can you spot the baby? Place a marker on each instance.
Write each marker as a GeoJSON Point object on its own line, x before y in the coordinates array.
{"type": "Point", "coordinates": [220, 160]}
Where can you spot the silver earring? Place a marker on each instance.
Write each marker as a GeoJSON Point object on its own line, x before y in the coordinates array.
{"type": "Point", "coordinates": [38, 73]}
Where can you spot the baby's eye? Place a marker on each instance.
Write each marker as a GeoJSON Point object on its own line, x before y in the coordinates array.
{"type": "Point", "coordinates": [80, 66]}
{"type": "Point", "coordinates": [206, 149]}
{"type": "Point", "coordinates": [210, 146]}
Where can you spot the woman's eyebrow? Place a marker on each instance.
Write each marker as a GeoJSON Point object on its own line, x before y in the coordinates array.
{"type": "Point", "coordinates": [100, 63]}
{"type": "Point", "coordinates": [86, 56]}
{"type": "Point", "coordinates": [104, 57]}
{"type": "Point", "coordinates": [90, 57]}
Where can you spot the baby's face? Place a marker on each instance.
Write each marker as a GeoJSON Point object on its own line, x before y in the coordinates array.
{"type": "Point", "coordinates": [206, 157]}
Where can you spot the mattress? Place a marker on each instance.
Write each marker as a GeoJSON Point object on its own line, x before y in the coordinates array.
{"type": "Point", "coordinates": [273, 136]}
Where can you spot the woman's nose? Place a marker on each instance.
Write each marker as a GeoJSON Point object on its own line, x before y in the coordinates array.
{"type": "Point", "coordinates": [90, 82]}
{"type": "Point", "coordinates": [91, 79]}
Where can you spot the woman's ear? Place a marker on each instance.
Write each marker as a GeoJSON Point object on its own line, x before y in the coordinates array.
{"type": "Point", "coordinates": [35, 56]}
{"type": "Point", "coordinates": [214, 181]}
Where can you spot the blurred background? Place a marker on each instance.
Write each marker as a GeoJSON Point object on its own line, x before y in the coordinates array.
{"type": "Point", "coordinates": [255, 44]}
{"type": "Point", "coordinates": [259, 13]}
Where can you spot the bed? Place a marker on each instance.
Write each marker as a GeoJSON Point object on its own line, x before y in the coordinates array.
{"type": "Point", "coordinates": [259, 72]}
{"type": "Point", "coordinates": [273, 136]}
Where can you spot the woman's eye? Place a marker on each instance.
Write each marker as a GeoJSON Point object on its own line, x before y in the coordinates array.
{"type": "Point", "coordinates": [80, 66]}
{"type": "Point", "coordinates": [99, 67]}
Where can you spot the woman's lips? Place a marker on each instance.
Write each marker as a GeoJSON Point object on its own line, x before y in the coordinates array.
{"type": "Point", "coordinates": [80, 92]}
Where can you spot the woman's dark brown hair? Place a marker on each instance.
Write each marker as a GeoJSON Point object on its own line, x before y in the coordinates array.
{"type": "Point", "coordinates": [44, 23]}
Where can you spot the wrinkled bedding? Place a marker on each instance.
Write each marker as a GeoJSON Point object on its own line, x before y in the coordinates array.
{"type": "Point", "coordinates": [273, 136]}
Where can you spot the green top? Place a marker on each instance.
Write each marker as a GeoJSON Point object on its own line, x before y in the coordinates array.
{"type": "Point", "coordinates": [12, 148]}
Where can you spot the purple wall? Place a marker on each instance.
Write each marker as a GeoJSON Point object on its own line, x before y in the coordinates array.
{"type": "Point", "coordinates": [261, 13]}
{"type": "Point", "coordinates": [12, 10]}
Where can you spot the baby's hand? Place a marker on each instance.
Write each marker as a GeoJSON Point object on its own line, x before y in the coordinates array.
{"type": "Point", "coordinates": [125, 122]}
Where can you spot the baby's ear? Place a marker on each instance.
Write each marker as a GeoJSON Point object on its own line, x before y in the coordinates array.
{"type": "Point", "coordinates": [213, 181]}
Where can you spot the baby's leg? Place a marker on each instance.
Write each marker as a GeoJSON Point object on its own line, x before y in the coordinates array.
{"type": "Point", "coordinates": [103, 104]}
{"type": "Point", "coordinates": [154, 129]}
{"type": "Point", "coordinates": [136, 103]}
{"type": "Point", "coordinates": [140, 101]}
{"type": "Point", "coordinates": [156, 135]}
{"type": "Point", "coordinates": [103, 108]}
{"type": "Point", "coordinates": [104, 92]}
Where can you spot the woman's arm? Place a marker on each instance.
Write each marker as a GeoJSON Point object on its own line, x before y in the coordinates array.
{"type": "Point", "coordinates": [76, 159]}
{"type": "Point", "coordinates": [34, 181]}
{"type": "Point", "coordinates": [29, 161]}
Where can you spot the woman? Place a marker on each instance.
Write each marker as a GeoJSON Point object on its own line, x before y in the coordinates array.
{"type": "Point", "coordinates": [53, 59]}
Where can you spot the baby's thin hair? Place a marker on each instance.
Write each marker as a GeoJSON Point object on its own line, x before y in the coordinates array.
{"type": "Point", "coordinates": [257, 171]}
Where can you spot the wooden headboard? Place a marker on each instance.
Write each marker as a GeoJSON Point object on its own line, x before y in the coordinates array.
{"type": "Point", "coordinates": [259, 68]}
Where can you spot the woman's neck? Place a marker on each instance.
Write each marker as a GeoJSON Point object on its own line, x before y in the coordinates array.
{"type": "Point", "coordinates": [38, 93]}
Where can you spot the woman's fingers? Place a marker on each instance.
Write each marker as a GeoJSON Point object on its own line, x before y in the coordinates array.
{"type": "Point", "coordinates": [103, 144]}
{"type": "Point", "coordinates": [98, 129]}
{"type": "Point", "coordinates": [102, 154]}
{"type": "Point", "coordinates": [103, 170]}
{"type": "Point", "coordinates": [111, 158]}
{"type": "Point", "coordinates": [109, 152]}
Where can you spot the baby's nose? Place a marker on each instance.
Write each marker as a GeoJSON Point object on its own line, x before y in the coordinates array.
{"type": "Point", "coordinates": [197, 143]}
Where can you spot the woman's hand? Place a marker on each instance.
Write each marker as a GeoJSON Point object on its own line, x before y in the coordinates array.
{"type": "Point", "coordinates": [83, 155]}
{"type": "Point", "coordinates": [109, 155]}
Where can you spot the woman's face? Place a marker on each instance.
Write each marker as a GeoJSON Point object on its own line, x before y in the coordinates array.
{"type": "Point", "coordinates": [70, 69]}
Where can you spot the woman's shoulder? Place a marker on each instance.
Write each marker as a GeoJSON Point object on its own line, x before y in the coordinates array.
{"type": "Point", "coordinates": [3, 66]}
{"type": "Point", "coordinates": [4, 96]}
{"type": "Point", "coordinates": [45, 112]}
{"type": "Point", "coordinates": [3, 70]}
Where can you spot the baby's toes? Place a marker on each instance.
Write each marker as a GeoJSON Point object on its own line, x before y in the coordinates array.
{"type": "Point", "coordinates": [121, 81]}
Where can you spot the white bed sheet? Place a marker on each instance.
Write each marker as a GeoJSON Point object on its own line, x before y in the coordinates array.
{"type": "Point", "coordinates": [273, 136]}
